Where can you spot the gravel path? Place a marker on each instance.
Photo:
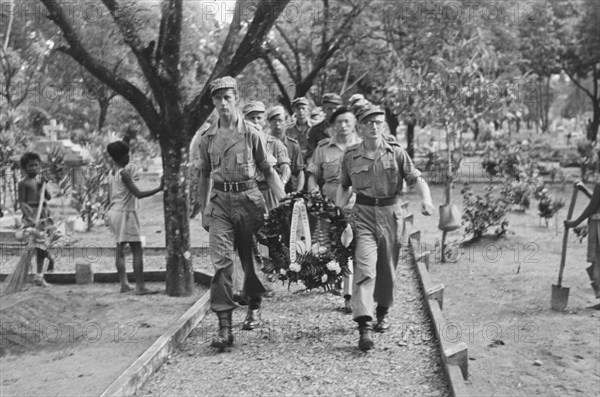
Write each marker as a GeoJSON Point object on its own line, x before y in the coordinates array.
{"type": "Point", "coordinates": [307, 346]}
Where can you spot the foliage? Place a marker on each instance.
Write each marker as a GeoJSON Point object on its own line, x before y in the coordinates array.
{"type": "Point", "coordinates": [317, 266]}
{"type": "Point", "coordinates": [91, 194]}
{"type": "Point", "coordinates": [483, 212]}
{"type": "Point", "coordinates": [548, 206]}
{"type": "Point", "coordinates": [56, 170]}
{"type": "Point", "coordinates": [588, 154]}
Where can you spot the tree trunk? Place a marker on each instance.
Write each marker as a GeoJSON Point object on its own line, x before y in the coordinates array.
{"type": "Point", "coordinates": [103, 105]}
{"type": "Point", "coordinates": [392, 121]}
{"type": "Point", "coordinates": [592, 133]}
{"type": "Point", "coordinates": [180, 280]}
{"type": "Point", "coordinates": [410, 138]}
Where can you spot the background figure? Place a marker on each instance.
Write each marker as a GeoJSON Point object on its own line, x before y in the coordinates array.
{"type": "Point", "coordinates": [330, 103]}
{"type": "Point", "coordinates": [122, 214]}
{"type": "Point", "coordinates": [299, 130]}
{"type": "Point", "coordinates": [29, 195]}
{"type": "Point", "coordinates": [277, 117]}
{"type": "Point", "coordinates": [324, 169]}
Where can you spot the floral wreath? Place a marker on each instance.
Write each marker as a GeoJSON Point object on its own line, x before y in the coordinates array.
{"type": "Point", "coordinates": [318, 266]}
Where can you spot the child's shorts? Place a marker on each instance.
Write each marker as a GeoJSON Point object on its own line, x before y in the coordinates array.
{"type": "Point", "coordinates": [125, 225]}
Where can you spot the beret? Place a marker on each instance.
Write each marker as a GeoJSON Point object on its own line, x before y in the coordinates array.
{"type": "Point", "coordinates": [340, 110]}
{"type": "Point", "coordinates": [222, 83]}
{"type": "Point", "coordinates": [253, 106]}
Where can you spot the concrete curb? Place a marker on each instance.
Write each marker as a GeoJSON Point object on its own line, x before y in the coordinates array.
{"type": "Point", "coordinates": [90, 250]}
{"type": "Point", "coordinates": [454, 355]}
{"type": "Point", "coordinates": [140, 371]}
{"type": "Point", "coordinates": [200, 277]}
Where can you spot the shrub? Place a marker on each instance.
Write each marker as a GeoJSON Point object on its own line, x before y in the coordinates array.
{"type": "Point", "coordinates": [483, 212]}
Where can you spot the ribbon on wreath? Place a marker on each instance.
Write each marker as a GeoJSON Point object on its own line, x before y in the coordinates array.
{"type": "Point", "coordinates": [299, 211]}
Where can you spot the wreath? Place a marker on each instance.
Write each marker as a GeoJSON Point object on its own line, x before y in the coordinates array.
{"type": "Point", "coordinates": [321, 265]}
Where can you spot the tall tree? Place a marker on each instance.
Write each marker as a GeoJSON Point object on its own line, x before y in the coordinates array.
{"type": "Point", "coordinates": [166, 111]}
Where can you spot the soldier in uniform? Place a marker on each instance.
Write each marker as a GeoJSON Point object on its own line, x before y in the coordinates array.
{"type": "Point", "coordinates": [299, 130]}
{"type": "Point", "coordinates": [325, 167]}
{"type": "Point", "coordinates": [232, 152]}
{"type": "Point", "coordinates": [330, 103]}
{"type": "Point", "coordinates": [276, 117]}
{"type": "Point", "coordinates": [375, 170]}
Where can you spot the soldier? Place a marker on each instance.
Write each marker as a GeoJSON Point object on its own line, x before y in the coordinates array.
{"type": "Point", "coordinates": [375, 170]}
{"type": "Point", "coordinates": [254, 112]}
{"type": "Point", "coordinates": [231, 153]}
{"type": "Point", "coordinates": [276, 117]}
{"type": "Point", "coordinates": [320, 131]}
{"type": "Point", "coordinates": [299, 130]}
{"type": "Point", "coordinates": [325, 167]}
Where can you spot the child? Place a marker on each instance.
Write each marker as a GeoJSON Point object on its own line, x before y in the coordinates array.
{"type": "Point", "coordinates": [123, 197]}
{"type": "Point", "coordinates": [29, 198]}
{"type": "Point", "coordinates": [592, 213]}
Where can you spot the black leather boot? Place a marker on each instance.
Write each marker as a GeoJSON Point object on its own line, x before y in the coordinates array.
{"type": "Point", "coordinates": [365, 341]}
{"type": "Point", "coordinates": [224, 337]}
{"type": "Point", "coordinates": [383, 321]}
{"type": "Point", "coordinates": [253, 315]}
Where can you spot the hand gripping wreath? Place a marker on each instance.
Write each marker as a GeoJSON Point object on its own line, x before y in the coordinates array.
{"type": "Point", "coordinates": [318, 258]}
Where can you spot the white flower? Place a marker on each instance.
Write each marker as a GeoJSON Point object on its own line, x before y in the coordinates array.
{"type": "Point", "coordinates": [350, 263]}
{"type": "Point", "coordinates": [295, 267]}
{"type": "Point", "coordinates": [282, 272]}
{"type": "Point", "coordinates": [324, 279]}
{"type": "Point", "coordinates": [333, 266]}
{"type": "Point", "coordinates": [322, 250]}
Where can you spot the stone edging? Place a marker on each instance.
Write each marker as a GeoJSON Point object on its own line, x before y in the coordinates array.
{"type": "Point", "coordinates": [454, 355]}
{"type": "Point", "coordinates": [138, 373]}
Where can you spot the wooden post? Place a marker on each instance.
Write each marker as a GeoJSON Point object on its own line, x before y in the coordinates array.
{"type": "Point", "coordinates": [448, 191]}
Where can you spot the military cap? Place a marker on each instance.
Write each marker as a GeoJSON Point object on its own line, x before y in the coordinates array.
{"type": "Point", "coordinates": [275, 111]}
{"type": "Point", "coordinates": [300, 101]}
{"type": "Point", "coordinates": [355, 98]}
{"type": "Point", "coordinates": [369, 112]}
{"type": "Point", "coordinates": [332, 98]}
{"type": "Point", "coordinates": [254, 106]}
{"type": "Point", "coordinates": [222, 83]}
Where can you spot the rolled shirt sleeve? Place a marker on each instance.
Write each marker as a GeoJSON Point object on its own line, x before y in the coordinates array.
{"type": "Point", "coordinates": [314, 166]}
{"type": "Point", "coordinates": [408, 171]}
{"type": "Point", "coordinates": [345, 180]}
{"type": "Point", "coordinates": [260, 152]}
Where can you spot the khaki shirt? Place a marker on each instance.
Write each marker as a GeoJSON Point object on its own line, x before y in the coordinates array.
{"type": "Point", "coordinates": [326, 164]}
{"type": "Point", "coordinates": [236, 158]}
{"type": "Point", "coordinates": [278, 154]}
{"type": "Point", "coordinates": [378, 176]}
{"type": "Point", "coordinates": [301, 135]}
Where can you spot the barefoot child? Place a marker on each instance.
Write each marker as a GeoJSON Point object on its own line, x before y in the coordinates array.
{"type": "Point", "coordinates": [592, 213]}
{"type": "Point", "coordinates": [29, 198]}
{"type": "Point", "coordinates": [122, 214]}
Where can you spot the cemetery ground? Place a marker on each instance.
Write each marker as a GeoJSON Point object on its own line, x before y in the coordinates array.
{"type": "Point", "coordinates": [517, 344]}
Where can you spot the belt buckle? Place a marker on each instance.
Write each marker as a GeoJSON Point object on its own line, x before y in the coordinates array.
{"type": "Point", "coordinates": [377, 201]}
{"type": "Point", "coordinates": [236, 187]}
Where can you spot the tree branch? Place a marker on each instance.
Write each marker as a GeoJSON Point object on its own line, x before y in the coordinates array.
{"type": "Point", "coordinates": [285, 98]}
{"type": "Point", "coordinates": [577, 83]}
{"type": "Point", "coordinates": [76, 51]}
{"type": "Point", "coordinates": [296, 53]}
{"type": "Point", "coordinates": [128, 29]}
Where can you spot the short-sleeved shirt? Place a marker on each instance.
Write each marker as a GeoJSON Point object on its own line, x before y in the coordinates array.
{"type": "Point", "coordinates": [380, 175]}
{"type": "Point", "coordinates": [296, 161]}
{"type": "Point", "coordinates": [301, 135]}
{"type": "Point", "coordinates": [234, 158]}
{"type": "Point", "coordinates": [278, 154]}
{"type": "Point", "coordinates": [316, 134]}
{"type": "Point", "coordinates": [326, 163]}
{"type": "Point", "coordinates": [195, 145]}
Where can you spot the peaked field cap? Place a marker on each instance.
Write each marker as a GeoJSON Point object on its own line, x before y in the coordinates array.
{"type": "Point", "coordinates": [222, 83]}
{"type": "Point", "coordinates": [370, 111]}
{"type": "Point", "coordinates": [300, 101]}
{"type": "Point", "coordinates": [316, 111]}
{"type": "Point", "coordinates": [253, 106]}
{"type": "Point", "coordinates": [332, 98]}
{"type": "Point", "coordinates": [355, 98]}
{"type": "Point", "coordinates": [275, 111]}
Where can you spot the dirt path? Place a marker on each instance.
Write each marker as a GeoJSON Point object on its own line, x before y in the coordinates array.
{"type": "Point", "coordinates": [75, 340]}
{"type": "Point", "coordinates": [308, 347]}
{"type": "Point", "coordinates": [518, 346]}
